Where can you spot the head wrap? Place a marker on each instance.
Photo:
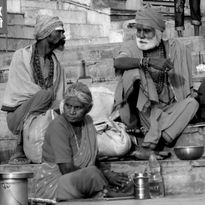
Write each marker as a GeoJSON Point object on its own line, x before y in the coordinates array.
{"type": "Point", "coordinates": [150, 17]}
{"type": "Point", "coordinates": [45, 25]}
{"type": "Point", "coordinates": [82, 92]}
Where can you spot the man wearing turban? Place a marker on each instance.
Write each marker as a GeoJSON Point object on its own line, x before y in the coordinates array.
{"type": "Point", "coordinates": [146, 96]}
{"type": "Point", "coordinates": [36, 80]}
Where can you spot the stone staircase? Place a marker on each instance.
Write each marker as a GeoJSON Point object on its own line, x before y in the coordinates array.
{"type": "Point", "coordinates": [99, 65]}
{"type": "Point", "coordinates": [82, 24]}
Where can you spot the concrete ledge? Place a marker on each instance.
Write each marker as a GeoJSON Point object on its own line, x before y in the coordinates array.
{"type": "Point", "coordinates": [180, 177]}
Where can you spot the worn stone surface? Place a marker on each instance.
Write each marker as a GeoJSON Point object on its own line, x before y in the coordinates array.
{"type": "Point", "coordinates": [180, 177]}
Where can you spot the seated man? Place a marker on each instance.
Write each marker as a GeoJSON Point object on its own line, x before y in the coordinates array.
{"type": "Point", "coordinates": [145, 94]}
{"type": "Point", "coordinates": [36, 80]}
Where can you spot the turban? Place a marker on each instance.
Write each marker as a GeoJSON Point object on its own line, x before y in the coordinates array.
{"type": "Point", "coordinates": [81, 91]}
{"type": "Point", "coordinates": [149, 17]}
{"type": "Point", "coordinates": [45, 25]}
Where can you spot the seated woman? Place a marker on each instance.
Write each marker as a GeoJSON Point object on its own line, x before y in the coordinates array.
{"type": "Point", "coordinates": [69, 154]}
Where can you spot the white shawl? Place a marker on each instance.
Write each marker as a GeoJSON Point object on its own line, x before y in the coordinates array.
{"type": "Point", "coordinates": [21, 85]}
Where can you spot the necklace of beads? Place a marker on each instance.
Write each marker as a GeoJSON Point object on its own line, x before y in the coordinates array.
{"type": "Point", "coordinates": [44, 83]}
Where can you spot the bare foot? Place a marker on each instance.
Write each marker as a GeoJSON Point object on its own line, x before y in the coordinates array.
{"type": "Point", "coordinates": [19, 158]}
{"type": "Point", "coordinates": [143, 154]}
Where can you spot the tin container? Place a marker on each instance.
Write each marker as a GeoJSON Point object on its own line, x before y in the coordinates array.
{"type": "Point", "coordinates": [141, 186]}
{"type": "Point", "coordinates": [13, 188]}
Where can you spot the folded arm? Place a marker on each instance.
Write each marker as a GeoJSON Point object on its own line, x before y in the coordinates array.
{"type": "Point", "coordinates": [127, 63]}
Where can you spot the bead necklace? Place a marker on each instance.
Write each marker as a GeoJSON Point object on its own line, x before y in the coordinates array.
{"type": "Point", "coordinates": [37, 72]}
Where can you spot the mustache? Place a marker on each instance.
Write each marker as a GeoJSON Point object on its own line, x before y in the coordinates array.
{"type": "Point", "coordinates": [61, 42]}
{"type": "Point", "coordinates": [143, 40]}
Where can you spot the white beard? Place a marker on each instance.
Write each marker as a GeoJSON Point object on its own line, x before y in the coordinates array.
{"type": "Point", "coordinates": [147, 44]}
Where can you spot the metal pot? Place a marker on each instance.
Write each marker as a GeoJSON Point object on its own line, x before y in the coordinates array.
{"type": "Point", "coordinates": [14, 188]}
{"type": "Point", "coordinates": [189, 152]}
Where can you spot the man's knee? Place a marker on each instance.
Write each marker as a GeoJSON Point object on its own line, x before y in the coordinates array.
{"type": "Point", "coordinates": [45, 94]}
{"type": "Point", "coordinates": [193, 103]}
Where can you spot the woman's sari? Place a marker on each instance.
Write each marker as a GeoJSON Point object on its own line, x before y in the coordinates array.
{"type": "Point", "coordinates": [48, 177]}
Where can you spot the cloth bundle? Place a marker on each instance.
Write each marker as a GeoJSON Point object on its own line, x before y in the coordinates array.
{"type": "Point", "coordinates": [112, 139]}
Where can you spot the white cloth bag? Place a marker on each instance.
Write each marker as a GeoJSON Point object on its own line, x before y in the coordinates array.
{"type": "Point", "coordinates": [34, 130]}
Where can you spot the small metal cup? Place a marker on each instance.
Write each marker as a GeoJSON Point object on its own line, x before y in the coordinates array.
{"type": "Point", "coordinates": [141, 186]}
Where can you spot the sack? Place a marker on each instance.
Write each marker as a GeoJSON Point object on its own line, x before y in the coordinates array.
{"type": "Point", "coordinates": [112, 139]}
{"type": "Point", "coordinates": [103, 100]}
{"type": "Point", "coordinates": [34, 130]}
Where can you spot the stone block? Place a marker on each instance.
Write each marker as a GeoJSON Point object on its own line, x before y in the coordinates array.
{"type": "Point", "coordinates": [11, 44]}
{"type": "Point", "coordinates": [65, 16]}
{"type": "Point", "coordinates": [109, 4]}
{"type": "Point", "coordinates": [5, 59]}
{"type": "Point", "coordinates": [20, 31]}
{"type": "Point", "coordinates": [85, 30]}
{"type": "Point", "coordinates": [86, 41]}
{"type": "Point", "coordinates": [15, 18]}
{"type": "Point", "coordinates": [101, 17]}
{"type": "Point", "coordinates": [31, 4]}
{"type": "Point", "coordinates": [14, 5]}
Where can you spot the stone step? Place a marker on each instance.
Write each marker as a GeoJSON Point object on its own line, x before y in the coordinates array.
{"type": "Point", "coordinates": [5, 59]}
{"type": "Point", "coordinates": [65, 4]}
{"type": "Point", "coordinates": [122, 14]}
{"type": "Point", "coordinates": [65, 15]}
{"type": "Point", "coordinates": [84, 30]}
{"type": "Point", "coordinates": [86, 41]}
{"type": "Point", "coordinates": [15, 18]}
{"type": "Point", "coordinates": [20, 31]}
{"type": "Point", "coordinates": [89, 52]}
{"type": "Point", "coordinates": [73, 31]}
{"type": "Point", "coordinates": [180, 177]}
{"type": "Point", "coordinates": [118, 4]}
{"type": "Point", "coordinates": [11, 43]}
{"type": "Point", "coordinates": [38, 4]}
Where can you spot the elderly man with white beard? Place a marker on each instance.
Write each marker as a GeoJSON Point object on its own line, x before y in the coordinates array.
{"type": "Point", "coordinates": [145, 97]}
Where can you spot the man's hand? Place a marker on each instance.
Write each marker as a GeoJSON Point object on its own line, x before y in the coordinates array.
{"type": "Point", "coordinates": [117, 179]}
{"type": "Point", "coordinates": [162, 64]}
